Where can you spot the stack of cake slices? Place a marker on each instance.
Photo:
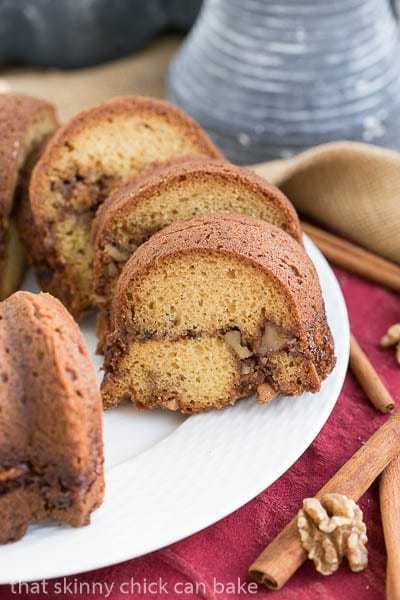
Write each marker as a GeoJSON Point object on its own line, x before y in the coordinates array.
{"type": "Point", "coordinates": [203, 288]}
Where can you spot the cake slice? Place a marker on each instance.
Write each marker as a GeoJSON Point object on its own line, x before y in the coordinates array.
{"type": "Point", "coordinates": [208, 310]}
{"type": "Point", "coordinates": [84, 162]}
{"type": "Point", "coordinates": [25, 124]}
{"type": "Point", "coordinates": [180, 190]}
{"type": "Point", "coordinates": [51, 451]}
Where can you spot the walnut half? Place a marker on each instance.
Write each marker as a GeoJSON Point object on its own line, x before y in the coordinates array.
{"type": "Point", "coordinates": [330, 529]}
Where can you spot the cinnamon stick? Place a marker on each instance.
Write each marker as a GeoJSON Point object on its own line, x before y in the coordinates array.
{"type": "Point", "coordinates": [354, 259]}
{"type": "Point", "coordinates": [285, 554]}
{"type": "Point", "coordinates": [390, 512]}
{"type": "Point", "coordinates": [369, 379]}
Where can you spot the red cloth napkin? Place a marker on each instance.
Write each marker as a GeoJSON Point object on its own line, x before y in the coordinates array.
{"type": "Point", "coordinates": [213, 563]}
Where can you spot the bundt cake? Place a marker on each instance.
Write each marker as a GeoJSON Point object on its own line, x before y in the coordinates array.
{"type": "Point", "coordinates": [209, 309]}
{"type": "Point", "coordinates": [84, 162]}
{"type": "Point", "coordinates": [51, 455]}
{"type": "Point", "coordinates": [181, 189]}
{"type": "Point", "coordinates": [25, 123]}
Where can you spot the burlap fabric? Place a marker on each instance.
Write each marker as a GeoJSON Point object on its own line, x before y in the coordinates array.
{"type": "Point", "coordinates": [350, 188]}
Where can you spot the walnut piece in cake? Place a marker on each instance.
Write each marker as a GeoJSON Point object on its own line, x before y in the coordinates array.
{"type": "Point", "coordinates": [330, 529]}
{"type": "Point", "coordinates": [234, 340]}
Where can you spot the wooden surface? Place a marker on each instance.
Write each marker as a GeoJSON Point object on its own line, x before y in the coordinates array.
{"type": "Point", "coordinates": [142, 73]}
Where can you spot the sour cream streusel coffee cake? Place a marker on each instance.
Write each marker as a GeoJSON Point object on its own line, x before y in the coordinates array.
{"type": "Point", "coordinates": [51, 446]}
{"type": "Point", "coordinates": [209, 309]}
{"type": "Point", "coordinates": [83, 163]}
{"type": "Point", "coordinates": [182, 189]}
{"type": "Point", "coordinates": [25, 125]}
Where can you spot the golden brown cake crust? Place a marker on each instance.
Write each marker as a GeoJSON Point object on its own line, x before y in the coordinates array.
{"type": "Point", "coordinates": [25, 123]}
{"type": "Point", "coordinates": [47, 388]}
{"type": "Point", "coordinates": [267, 250]}
{"type": "Point", "coordinates": [120, 105]}
{"type": "Point", "coordinates": [18, 114]}
{"type": "Point", "coordinates": [56, 272]}
{"type": "Point", "coordinates": [156, 180]}
{"type": "Point", "coordinates": [140, 105]}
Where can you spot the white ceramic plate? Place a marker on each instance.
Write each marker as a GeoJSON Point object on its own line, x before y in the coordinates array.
{"type": "Point", "coordinates": [168, 477]}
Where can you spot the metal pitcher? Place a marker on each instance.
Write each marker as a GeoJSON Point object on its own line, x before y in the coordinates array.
{"type": "Point", "coordinates": [270, 78]}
